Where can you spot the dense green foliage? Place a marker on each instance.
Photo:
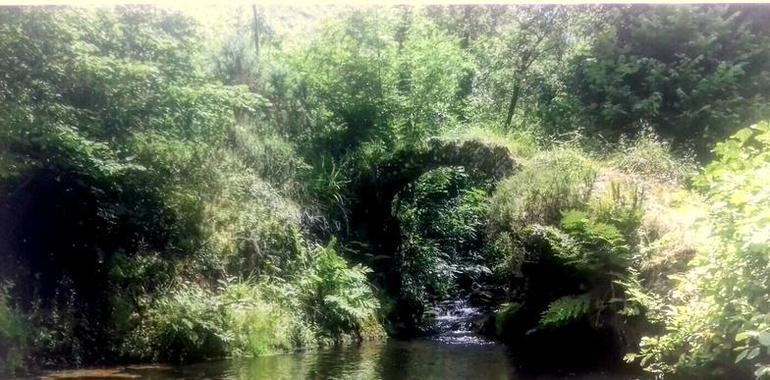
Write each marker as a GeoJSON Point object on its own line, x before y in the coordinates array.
{"type": "Point", "coordinates": [323, 300]}
{"type": "Point", "coordinates": [718, 318]}
{"type": "Point", "coordinates": [585, 236]}
{"type": "Point", "coordinates": [177, 187]}
{"type": "Point", "coordinates": [442, 218]}
{"type": "Point", "coordinates": [172, 179]}
{"type": "Point", "coordinates": [691, 73]}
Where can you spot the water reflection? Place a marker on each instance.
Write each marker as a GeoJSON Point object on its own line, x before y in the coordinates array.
{"type": "Point", "coordinates": [422, 359]}
{"type": "Point", "coordinates": [416, 359]}
{"type": "Point", "coordinates": [419, 359]}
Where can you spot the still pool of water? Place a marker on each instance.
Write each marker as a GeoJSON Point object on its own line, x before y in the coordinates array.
{"type": "Point", "coordinates": [416, 359]}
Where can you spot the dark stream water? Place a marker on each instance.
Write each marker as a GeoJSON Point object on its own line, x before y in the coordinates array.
{"type": "Point", "coordinates": [455, 353]}
{"type": "Point", "coordinates": [415, 359]}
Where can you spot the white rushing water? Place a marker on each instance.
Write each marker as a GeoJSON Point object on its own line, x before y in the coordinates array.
{"type": "Point", "coordinates": [454, 323]}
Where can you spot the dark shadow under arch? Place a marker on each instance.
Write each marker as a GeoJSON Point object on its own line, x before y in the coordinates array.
{"type": "Point", "coordinates": [372, 221]}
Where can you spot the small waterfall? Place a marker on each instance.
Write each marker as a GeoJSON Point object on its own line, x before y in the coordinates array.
{"type": "Point", "coordinates": [454, 322]}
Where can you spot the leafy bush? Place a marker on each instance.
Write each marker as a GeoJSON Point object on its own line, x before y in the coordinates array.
{"type": "Point", "coordinates": [690, 72]}
{"type": "Point", "coordinates": [328, 187]}
{"type": "Point", "coordinates": [192, 322]}
{"type": "Point", "coordinates": [319, 298]}
{"type": "Point", "coordinates": [442, 218]}
{"type": "Point", "coordinates": [573, 281]}
{"type": "Point", "coordinates": [717, 323]}
{"type": "Point", "coordinates": [248, 226]}
{"type": "Point", "coordinates": [552, 181]}
{"type": "Point", "coordinates": [187, 324]}
{"type": "Point", "coordinates": [602, 248]}
{"type": "Point", "coordinates": [575, 273]}
{"type": "Point", "coordinates": [126, 145]}
{"type": "Point", "coordinates": [622, 207]}
{"type": "Point", "coordinates": [384, 75]}
{"type": "Point", "coordinates": [431, 68]}
{"type": "Point", "coordinates": [505, 317]}
{"type": "Point", "coordinates": [558, 220]}
{"type": "Point", "coordinates": [273, 158]}
{"type": "Point", "coordinates": [597, 257]}
{"type": "Point", "coordinates": [261, 325]}
{"type": "Point", "coordinates": [500, 251]}
{"type": "Point", "coordinates": [337, 296]}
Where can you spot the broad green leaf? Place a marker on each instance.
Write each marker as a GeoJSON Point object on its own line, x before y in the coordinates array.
{"type": "Point", "coordinates": [764, 338]}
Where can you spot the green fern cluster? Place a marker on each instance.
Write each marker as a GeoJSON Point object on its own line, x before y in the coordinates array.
{"type": "Point", "coordinates": [323, 299]}
{"type": "Point", "coordinates": [602, 247]}
{"type": "Point", "coordinates": [337, 295]}
{"type": "Point", "coordinates": [565, 310]}
{"type": "Point", "coordinates": [597, 253]}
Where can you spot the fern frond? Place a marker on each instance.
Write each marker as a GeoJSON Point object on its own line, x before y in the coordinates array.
{"type": "Point", "coordinates": [565, 310]}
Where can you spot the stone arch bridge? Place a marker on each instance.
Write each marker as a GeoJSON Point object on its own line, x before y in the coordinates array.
{"type": "Point", "coordinates": [372, 221]}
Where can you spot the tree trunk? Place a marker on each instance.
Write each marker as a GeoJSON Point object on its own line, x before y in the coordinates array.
{"type": "Point", "coordinates": [512, 105]}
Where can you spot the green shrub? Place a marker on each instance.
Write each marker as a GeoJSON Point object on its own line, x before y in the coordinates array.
{"type": "Point", "coordinates": [671, 234]}
{"type": "Point", "coordinates": [239, 318]}
{"type": "Point", "coordinates": [552, 181]}
{"type": "Point", "coordinates": [717, 323]}
{"type": "Point", "coordinates": [558, 220]}
{"type": "Point", "coordinates": [337, 296]}
{"type": "Point", "coordinates": [328, 187]}
{"type": "Point", "coordinates": [272, 157]}
{"type": "Point", "coordinates": [262, 326]}
{"type": "Point", "coordinates": [686, 71]}
{"type": "Point", "coordinates": [380, 75]}
{"type": "Point", "coordinates": [500, 251]}
{"type": "Point", "coordinates": [595, 250]}
{"type": "Point", "coordinates": [187, 324]}
{"type": "Point", "coordinates": [622, 206]}
{"type": "Point", "coordinates": [603, 249]}
{"type": "Point", "coordinates": [651, 158]}
{"type": "Point", "coordinates": [505, 317]}
{"type": "Point", "coordinates": [426, 271]}
{"type": "Point", "coordinates": [595, 260]}
{"type": "Point", "coordinates": [318, 298]}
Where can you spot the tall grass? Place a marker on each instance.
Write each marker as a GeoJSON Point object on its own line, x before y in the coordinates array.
{"type": "Point", "coordinates": [522, 143]}
{"type": "Point", "coordinates": [652, 158]}
{"type": "Point", "coordinates": [554, 180]}
{"type": "Point", "coordinates": [193, 322]}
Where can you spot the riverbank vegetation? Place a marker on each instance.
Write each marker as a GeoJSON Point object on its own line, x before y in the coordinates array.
{"type": "Point", "coordinates": [179, 185]}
